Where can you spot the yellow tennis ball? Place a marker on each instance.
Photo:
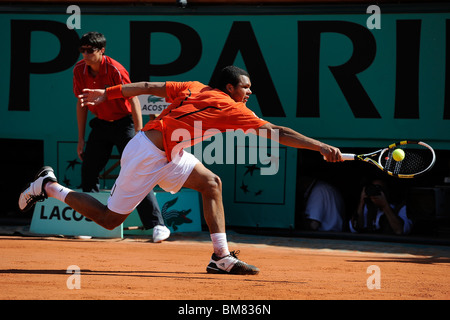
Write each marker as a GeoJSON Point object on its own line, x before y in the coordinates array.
{"type": "Point", "coordinates": [398, 155]}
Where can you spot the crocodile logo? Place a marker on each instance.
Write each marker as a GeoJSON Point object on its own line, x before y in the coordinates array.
{"type": "Point", "coordinates": [154, 99]}
{"type": "Point", "coordinates": [174, 218]}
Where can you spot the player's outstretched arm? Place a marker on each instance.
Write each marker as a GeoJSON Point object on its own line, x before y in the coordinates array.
{"type": "Point", "coordinates": [138, 88]}
{"type": "Point", "coordinates": [291, 138]}
{"type": "Point", "coordinates": [92, 97]}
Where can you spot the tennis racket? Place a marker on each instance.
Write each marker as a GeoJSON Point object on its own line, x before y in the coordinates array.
{"type": "Point", "coordinates": [419, 158]}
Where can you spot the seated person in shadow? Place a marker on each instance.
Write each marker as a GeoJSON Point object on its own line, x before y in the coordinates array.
{"type": "Point", "coordinates": [377, 212]}
{"type": "Point", "coordinates": [323, 205]}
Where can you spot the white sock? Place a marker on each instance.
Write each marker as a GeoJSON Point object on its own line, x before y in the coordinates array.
{"type": "Point", "coordinates": [57, 191]}
{"type": "Point", "coordinates": [220, 244]}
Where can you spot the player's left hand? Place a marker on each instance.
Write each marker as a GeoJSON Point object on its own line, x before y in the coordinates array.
{"type": "Point", "coordinates": [92, 97]}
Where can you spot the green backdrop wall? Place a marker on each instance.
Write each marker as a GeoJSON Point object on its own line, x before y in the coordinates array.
{"type": "Point", "coordinates": [328, 75]}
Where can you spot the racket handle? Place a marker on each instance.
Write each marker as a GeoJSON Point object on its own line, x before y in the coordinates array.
{"type": "Point", "coordinates": [348, 156]}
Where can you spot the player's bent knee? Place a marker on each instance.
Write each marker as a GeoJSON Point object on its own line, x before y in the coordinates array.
{"type": "Point", "coordinates": [212, 186]}
{"type": "Point", "coordinates": [216, 182]}
{"type": "Point", "coordinates": [204, 181]}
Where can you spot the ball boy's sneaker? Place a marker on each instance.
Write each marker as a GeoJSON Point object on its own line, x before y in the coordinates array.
{"type": "Point", "coordinates": [34, 191]}
{"type": "Point", "coordinates": [160, 233]}
{"type": "Point", "coordinates": [230, 264]}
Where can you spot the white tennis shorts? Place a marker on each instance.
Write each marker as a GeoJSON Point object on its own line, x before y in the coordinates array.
{"type": "Point", "coordinates": [143, 166]}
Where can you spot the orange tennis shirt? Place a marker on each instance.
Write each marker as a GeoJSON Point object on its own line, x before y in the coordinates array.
{"type": "Point", "coordinates": [196, 108]}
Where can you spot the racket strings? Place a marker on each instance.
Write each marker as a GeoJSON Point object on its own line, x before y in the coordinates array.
{"type": "Point", "coordinates": [416, 160]}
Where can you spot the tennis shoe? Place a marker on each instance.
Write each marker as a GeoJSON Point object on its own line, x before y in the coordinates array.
{"type": "Point", "coordinates": [230, 264]}
{"type": "Point", "coordinates": [34, 191]}
{"type": "Point", "coordinates": [160, 233]}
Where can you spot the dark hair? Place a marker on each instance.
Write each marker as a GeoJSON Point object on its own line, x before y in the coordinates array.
{"type": "Point", "coordinates": [230, 74]}
{"type": "Point", "coordinates": [94, 39]}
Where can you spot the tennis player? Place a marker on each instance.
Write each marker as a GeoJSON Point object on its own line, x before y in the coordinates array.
{"type": "Point", "coordinates": [154, 157]}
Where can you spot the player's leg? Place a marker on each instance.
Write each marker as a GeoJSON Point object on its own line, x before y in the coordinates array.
{"type": "Point", "coordinates": [129, 189]}
{"type": "Point", "coordinates": [210, 187]}
{"type": "Point", "coordinates": [89, 207]}
{"type": "Point", "coordinates": [45, 185]}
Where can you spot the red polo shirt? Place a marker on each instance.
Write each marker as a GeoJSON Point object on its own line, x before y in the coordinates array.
{"type": "Point", "coordinates": [111, 73]}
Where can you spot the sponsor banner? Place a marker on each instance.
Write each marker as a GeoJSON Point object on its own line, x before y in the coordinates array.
{"type": "Point", "coordinates": [152, 104]}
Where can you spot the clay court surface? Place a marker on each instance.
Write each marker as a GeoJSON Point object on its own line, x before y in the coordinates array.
{"type": "Point", "coordinates": [291, 269]}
